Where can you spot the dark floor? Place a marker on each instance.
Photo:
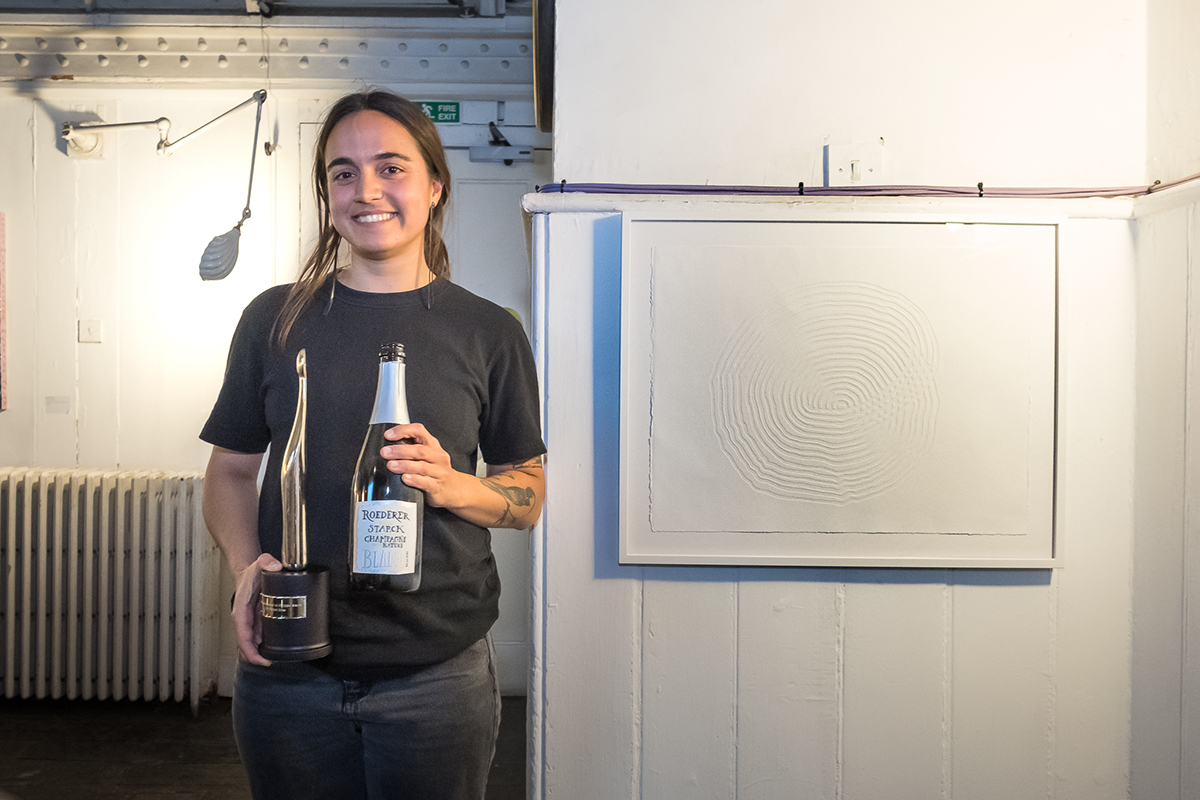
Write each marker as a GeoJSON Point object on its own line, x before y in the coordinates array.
{"type": "Point", "coordinates": [93, 750]}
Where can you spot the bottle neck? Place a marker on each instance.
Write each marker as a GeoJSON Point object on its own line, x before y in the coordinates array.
{"type": "Point", "coordinates": [391, 405]}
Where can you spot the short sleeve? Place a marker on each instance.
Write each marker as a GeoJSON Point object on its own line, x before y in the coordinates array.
{"type": "Point", "coordinates": [238, 420]}
{"type": "Point", "coordinates": [511, 431]}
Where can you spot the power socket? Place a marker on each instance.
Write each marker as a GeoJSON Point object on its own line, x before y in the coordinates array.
{"type": "Point", "coordinates": [91, 331]}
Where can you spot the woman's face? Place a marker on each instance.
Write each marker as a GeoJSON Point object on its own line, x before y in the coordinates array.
{"type": "Point", "coordinates": [380, 191]}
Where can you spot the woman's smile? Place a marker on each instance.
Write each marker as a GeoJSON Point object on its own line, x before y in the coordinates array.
{"type": "Point", "coordinates": [376, 217]}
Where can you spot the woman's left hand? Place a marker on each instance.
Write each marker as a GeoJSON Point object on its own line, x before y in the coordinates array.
{"type": "Point", "coordinates": [509, 497]}
{"type": "Point", "coordinates": [424, 464]}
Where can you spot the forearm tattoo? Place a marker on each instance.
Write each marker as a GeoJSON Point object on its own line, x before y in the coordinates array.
{"type": "Point", "coordinates": [518, 500]}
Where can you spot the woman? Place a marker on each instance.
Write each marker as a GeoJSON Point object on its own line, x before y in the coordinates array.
{"type": "Point", "coordinates": [407, 705]}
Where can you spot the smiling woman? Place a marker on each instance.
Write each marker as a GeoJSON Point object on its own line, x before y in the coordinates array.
{"type": "Point", "coordinates": [407, 704]}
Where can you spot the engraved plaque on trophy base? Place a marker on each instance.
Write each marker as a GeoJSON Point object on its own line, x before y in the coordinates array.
{"type": "Point", "coordinates": [295, 614]}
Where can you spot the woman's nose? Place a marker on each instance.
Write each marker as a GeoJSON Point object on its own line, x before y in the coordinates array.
{"type": "Point", "coordinates": [368, 188]}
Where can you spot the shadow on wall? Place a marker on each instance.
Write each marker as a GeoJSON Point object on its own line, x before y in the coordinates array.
{"type": "Point", "coordinates": [58, 116]}
{"type": "Point", "coordinates": [606, 438]}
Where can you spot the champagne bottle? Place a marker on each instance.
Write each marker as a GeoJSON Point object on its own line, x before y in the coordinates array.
{"type": "Point", "coordinates": [385, 533]}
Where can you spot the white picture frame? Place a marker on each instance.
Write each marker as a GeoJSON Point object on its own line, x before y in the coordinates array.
{"type": "Point", "coordinates": [822, 392]}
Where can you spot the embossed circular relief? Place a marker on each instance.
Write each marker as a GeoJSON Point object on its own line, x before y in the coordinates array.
{"type": "Point", "coordinates": [831, 398]}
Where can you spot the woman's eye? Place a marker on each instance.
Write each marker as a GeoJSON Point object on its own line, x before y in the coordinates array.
{"type": "Point", "coordinates": [341, 176]}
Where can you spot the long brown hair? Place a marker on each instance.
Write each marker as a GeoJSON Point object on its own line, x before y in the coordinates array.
{"type": "Point", "coordinates": [322, 263]}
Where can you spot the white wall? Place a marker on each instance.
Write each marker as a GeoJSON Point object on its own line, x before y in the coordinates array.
{"type": "Point", "coordinates": [1025, 93]}
{"type": "Point", "coordinates": [1173, 89]}
{"type": "Point", "coordinates": [828, 683]}
{"type": "Point", "coordinates": [119, 240]}
{"type": "Point", "coordinates": [764, 683]}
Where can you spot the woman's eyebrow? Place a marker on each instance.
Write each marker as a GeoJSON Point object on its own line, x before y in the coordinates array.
{"type": "Point", "coordinates": [345, 162]}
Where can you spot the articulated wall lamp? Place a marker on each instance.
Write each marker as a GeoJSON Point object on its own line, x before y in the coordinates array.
{"type": "Point", "coordinates": [222, 252]}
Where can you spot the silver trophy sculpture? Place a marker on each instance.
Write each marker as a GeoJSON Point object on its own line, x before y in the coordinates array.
{"type": "Point", "coordinates": [295, 600]}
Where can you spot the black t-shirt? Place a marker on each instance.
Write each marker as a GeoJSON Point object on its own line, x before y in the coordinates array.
{"type": "Point", "coordinates": [470, 381]}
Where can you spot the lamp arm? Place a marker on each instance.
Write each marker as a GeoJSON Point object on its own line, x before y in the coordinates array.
{"type": "Point", "coordinates": [253, 153]}
{"type": "Point", "coordinates": [73, 130]}
{"type": "Point", "coordinates": [166, 147]}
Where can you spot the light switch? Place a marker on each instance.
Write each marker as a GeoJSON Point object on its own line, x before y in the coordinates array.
{"type": "Point", "coordinates": [853, 164]}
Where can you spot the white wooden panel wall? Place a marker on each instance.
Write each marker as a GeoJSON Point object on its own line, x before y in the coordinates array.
{"type": "Point", "coordinates": [1189, 778]}
{"type": "Point", "coordinates": [95, 232]}
{"type": "Point", "coordinates": [118, 240]}
{"type": "Point", "coordinates": [1002, 683]}
{"type": "Point", "coordinates": [689, 685]}
{"type": "Point", "coordinates": [588, 717]}
{"type": "Point", "coordinates": [1091, 628]}
{"type": "Point", "coordinates": [894, 714]}
{"type": "Point", "coordinates": [1166, 668]}
{"type": "Point", "coordinates": [19, 423]}
{"type": "Point", "coordinates": [789, 683]}
{"type": "Point", "coordinates": [1162, 486]}
{"type": "Point", "coordinates": [772, 683]}
{"type": "Point", "coordinates": [55, 242]}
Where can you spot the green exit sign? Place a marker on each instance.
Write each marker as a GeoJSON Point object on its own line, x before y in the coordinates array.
{"type": "Point", "coordinates": [439, 112]}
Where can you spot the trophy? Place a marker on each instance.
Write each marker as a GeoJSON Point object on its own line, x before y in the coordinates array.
{"type": "Point", "coordinates": [295, 600]}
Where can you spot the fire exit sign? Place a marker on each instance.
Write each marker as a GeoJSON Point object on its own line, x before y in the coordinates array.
{"type": "Point", "coordinates": [440, 112]}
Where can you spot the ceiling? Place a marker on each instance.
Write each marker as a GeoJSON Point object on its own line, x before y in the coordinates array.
{"type": "Point", "coordinates": [406, 42]}
{"type": "Point", "coordinates": [276, 8]}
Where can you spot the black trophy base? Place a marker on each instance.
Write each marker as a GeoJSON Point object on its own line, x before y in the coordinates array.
{"type": "Point", "coordinates": [295, 612]}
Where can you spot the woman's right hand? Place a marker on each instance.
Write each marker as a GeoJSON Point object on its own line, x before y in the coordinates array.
{"type": "Point", "coordinates": [247, 613]}
{"type": "Point", "coordinates": [231, 514]}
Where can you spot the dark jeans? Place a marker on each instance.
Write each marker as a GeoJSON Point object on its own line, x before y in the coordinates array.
{"type": "Point", "coordinates": [428, 736]}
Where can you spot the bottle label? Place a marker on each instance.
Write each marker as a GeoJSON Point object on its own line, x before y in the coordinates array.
{"type": "Point", "coordinates": [385, 532]}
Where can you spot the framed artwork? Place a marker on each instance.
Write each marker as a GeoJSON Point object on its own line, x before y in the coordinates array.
{"type": "Point", "coordinates": [839, 393]}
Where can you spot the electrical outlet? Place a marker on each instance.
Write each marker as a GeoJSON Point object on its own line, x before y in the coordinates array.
{"type": "Point", "coordinates": [91, 330]}
{"type": "Point", "coordinates": [854, 164]}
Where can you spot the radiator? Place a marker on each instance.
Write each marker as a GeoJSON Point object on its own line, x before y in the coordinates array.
{"type": "Point", "coordinates": [109, 584]}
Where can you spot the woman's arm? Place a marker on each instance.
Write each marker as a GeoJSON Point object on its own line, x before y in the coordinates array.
{"type": "Point", "coordinates": [231, 514]}
{"type": "Point", "coordinates": [231, 505]}
{"type": "Point", "coordinates": [521, 488]}
{"type": "Point", "coordinates": [509, 497]}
